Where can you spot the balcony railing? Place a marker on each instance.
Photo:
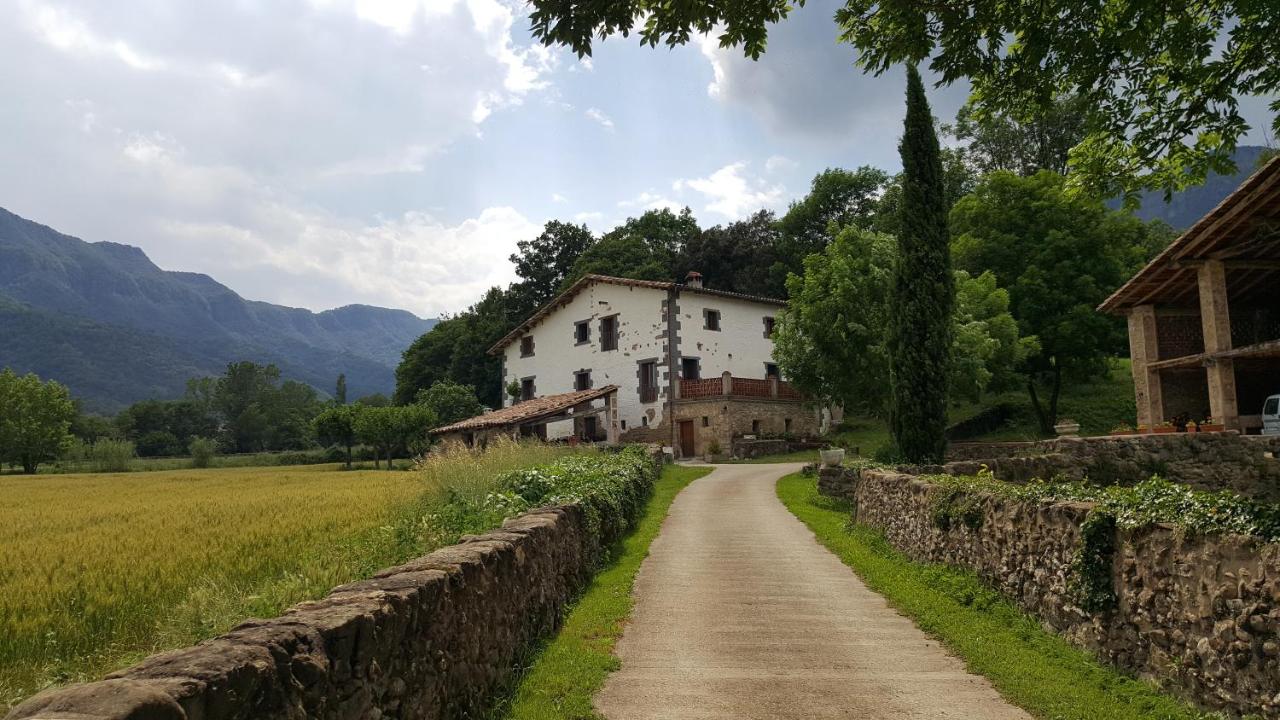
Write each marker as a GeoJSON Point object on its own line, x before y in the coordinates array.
{"type": "Point", "coordinates": [728, 386]}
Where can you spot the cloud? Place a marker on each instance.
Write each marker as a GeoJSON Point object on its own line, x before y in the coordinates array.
{"type": "Point", "coordinates": [599, 116]}
{"type": "Point", "coordinates": [260, 143]}
{"type": "Point", "coordinates": [649, 200]}
{"type": "Point", "coordinates": [778, 163]}
{"type": "Point", "coordinates": [731, 192]}
{"type": "Point", "coordinates": [558, 198]}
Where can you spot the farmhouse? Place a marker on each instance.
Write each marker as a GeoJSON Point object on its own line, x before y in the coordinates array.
{"type": "Point", "coordinates": [1204, 315]}
{"type": "Point", "coordinates": [693, 366]}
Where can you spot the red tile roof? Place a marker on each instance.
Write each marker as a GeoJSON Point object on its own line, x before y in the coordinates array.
{"type": "Point", "coordinates": [564, 297]}
{"type": "Point", "coordinates": [527, 410]}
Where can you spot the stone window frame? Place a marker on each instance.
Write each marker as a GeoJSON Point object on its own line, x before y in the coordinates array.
{"type": "Point", "coordinates": [697, 367]}
{"type": "Point", "coordinates": [526, 346]}
{"type": "Point", "coordinates": [528, 387]}
{"type": "Point", "coordinates": [707, 315]}
{"type": "Point", "coordinates": [770, 324]}
{"type": "Point", "coordinates": [771, 370]}
{"type": "Point", "coordinates": [656, 388]}
{"type": "Point", "coordinates": [580, 337]}
{"type": "Point", "coordinates": [580, 372]}
{"type": "Point", "coordinates": [607, 337]}
{"type": "Point", "coordinates": [706, 421]}
{"type": "Point", "coordinates": [755, 426]}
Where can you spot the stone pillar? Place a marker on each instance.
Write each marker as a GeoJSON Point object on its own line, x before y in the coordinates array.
{"type": "Point", "coordinates": [1215, 322]}
{"type": "Point", "coordinates": [773, 387]}
{"type": "Point", "coordinates": [726, 383]}
{"type": "Point", "coordinates": [1144, 349]}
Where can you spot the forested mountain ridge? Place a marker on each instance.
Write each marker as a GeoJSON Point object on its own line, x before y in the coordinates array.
{"type": "Point", "coordinates": [105, 320]}
{"type": "Point", "coordinates": [1186, 207]}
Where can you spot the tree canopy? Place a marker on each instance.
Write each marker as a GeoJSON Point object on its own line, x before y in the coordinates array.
{"type": "Point", "coordinates": [1162, 84]}
{"type": "Point", "coordinates": [35, 419]}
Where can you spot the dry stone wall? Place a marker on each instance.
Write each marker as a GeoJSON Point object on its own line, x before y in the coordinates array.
{"type": "Point", "coordinates": [1200, 615]}
{"type": "Point", "coordinates": [433, 638]}
{"type": "Point", "coordinates": [1206, 461]}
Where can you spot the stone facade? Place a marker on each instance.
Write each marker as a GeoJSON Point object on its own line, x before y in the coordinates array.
{"type": "Point", "coordinates": [723, 419]}
{"type": "Point", "coordinates": [1199, 615]}
{"type": "Point", "coordinates": [436, 637]}
{"type": "Point", "coordinates": [1205, 461]}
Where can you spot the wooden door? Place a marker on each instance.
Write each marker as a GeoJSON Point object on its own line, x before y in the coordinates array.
{"type": "Point", "coordinates": [687, 449]}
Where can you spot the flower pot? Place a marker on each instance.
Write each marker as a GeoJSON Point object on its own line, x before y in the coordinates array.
{"type": "Point", "coordinates": [1212, 428]}
{"type": "Point", "coordinates": [1164, 430]}
{"type": "Point", "coordinates": [1123, 432]}
{"type": "Point", "coordinates": [1067, 428]}
{"type": "Point", "coordinates": [832, 458]}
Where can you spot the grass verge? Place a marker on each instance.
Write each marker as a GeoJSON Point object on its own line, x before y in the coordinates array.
{"type": "Point", "coordinates": [566, 674]}
{"type": "Point", "coordinates": [1034, 669]}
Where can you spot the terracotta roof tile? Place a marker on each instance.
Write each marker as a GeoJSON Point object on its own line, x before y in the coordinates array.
{"type": "Point", "coordinates": [527, 410]}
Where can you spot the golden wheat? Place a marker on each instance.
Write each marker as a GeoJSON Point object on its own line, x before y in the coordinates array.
{"type": "Point", "coordinates": [97, 571]}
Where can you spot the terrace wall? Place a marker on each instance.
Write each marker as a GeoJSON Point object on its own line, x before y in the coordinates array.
{"type": "Point", "coordinates": [1199, 615]}
{"type": "Point", "coordinates": [436, 637]}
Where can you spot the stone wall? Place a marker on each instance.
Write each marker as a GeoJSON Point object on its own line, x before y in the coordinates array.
{"type": "Point", "coordinates": [727, 418]}
{"type": "Point", "coordinates": [436, 637]}
{"type": "Point", "coordinates": [1205, 461]}
{"type": "Point", "coordinates": [1200, 615]}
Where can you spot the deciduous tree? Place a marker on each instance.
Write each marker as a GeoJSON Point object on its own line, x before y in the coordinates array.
{"type": "Point", "coordinates": [35, 419]}
{"type": "Point", "coordinates": [450, 402]}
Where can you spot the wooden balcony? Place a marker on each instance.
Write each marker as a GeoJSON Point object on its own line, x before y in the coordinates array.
{"type": "Point", "coordinates": [728, 386]}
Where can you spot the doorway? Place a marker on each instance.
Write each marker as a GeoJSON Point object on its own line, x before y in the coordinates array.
{"type": "Point", "coordinates": [687, 447]}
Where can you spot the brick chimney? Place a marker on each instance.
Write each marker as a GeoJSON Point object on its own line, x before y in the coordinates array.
{"type": "Point", "coordinates": [693, 279]}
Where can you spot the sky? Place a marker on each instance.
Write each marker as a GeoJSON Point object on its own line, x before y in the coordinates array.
{"type": "Point", "coordinates": [318, 153]}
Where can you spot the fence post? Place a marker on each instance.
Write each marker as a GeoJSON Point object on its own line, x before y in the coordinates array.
{"type": "Point", "coordinates": [726, 383]}
{"type": "Point", "coordinates": [773, 387]}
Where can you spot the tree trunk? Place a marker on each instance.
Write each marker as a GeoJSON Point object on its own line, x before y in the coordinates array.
{"type": "Point", "coordinates": [30, 465]}
{"type": "Point", "coordinates": [1047, 417]}
{"type": "Point", "coordinates": [348, 457]}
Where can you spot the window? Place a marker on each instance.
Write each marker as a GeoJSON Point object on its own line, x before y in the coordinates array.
{"type": "Point", "coordinates": [768, 327]}
{"type": "Point", "coordinates": [582, 332]}
{"type": "Point", "coordinates": [711, 320]}
{"type": "Point", "coordinates": [582, 380]}
{"type": "Point", "coordinates": [526, 346]}
{"type": "Point", "coordinates": [771, 370]}
{"type": "Point", "coordinates": [609, 333]}
{"type": "Point", "coordinates": [648, 381]}
{"type": "Point", "coordinates": [689, 368]}
{"type": "Point", "coordinates": [755, 427]}
{"type": "Point", "coordinates": [786, 425]}
{"type": "Point", "coordinates": [622, 424]}
{"type": "Point", "coordinates": [526, 389]}
{"type": "Point", "coordinates": [1272, 407]}
{"type": "Point", "coordinates": [706, 421]}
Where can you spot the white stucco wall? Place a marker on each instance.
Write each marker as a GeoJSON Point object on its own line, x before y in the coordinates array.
{"type": "Point", "coordinates": [556, 358]}
{"type": "Point", "coordinates": [740, 345]}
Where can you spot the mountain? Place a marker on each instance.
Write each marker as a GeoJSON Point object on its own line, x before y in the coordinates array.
{"type": "Point", "coordinates": [102, 318]}
{"type": "Point", "coordinates": [1188, 206]}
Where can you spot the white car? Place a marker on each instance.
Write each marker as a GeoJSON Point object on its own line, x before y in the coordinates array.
{"type": "Point", "coordinates": [1271, 416]}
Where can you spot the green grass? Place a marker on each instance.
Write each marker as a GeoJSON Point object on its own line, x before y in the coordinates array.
{"type": "Point", "coordinates": [1098, 406]}
{"type": "Point", "coordinates": [568, 671]}
{"type": "Point", "coordinates": [1034, 669]}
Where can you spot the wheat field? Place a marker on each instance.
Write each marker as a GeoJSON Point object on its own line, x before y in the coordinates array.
{"type": "Point", "coordinates": [100, 570]}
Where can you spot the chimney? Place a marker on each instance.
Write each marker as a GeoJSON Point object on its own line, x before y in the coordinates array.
{"type": "Point", "coordinates": [693, 279]}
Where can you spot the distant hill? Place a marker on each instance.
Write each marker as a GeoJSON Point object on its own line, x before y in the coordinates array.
{"type": "Point", "coordinates": [1188, 206]}
{"type": "Point", "coordinates": [102, 318]}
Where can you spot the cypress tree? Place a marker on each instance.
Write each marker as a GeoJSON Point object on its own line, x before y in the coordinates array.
{"type": "Point", "coordinates": [923, 292]}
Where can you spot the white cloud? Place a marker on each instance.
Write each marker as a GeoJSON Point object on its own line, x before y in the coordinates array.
{"type": "Point", "coordinates": [777, 163]}
{"type": "Point", "coordinates": [558, 198]}
{"type": "Point", "coordinates": [731, 192]}
{"type": "Point", "coordinates": [649, 200]}
{"type": "Point", "coordinates": [599, 116]}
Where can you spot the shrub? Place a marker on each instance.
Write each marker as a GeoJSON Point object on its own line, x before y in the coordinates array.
{"type": "Point", "coordinates": [158, 443]}
{"type": "Point", "coordinates": [301, 457]}
{"type": "Point", "coordinates": [202, 451]}
{"type": "Point", "coordinates": [111, 456]}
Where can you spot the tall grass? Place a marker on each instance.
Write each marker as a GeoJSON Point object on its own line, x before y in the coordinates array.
{"type": "Point", "coordinates": [97, 571]}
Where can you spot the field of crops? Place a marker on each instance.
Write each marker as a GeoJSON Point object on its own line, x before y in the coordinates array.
{"type": "Point", "coordinates": [97, 571]}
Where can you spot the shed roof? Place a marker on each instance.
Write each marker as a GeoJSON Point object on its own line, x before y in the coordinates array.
{"type": "Point", "coordinates": [1242, 231]}
{"type": "Point", "coordinates": [528, 410]}
{"type": "Point", "coordinates": [586, 280]}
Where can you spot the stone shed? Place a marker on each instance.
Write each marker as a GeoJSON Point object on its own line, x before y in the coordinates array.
{"type": "Point", "coordinates": [591, 422]}
{"type": "Point", "coordinates": [1204, 315]}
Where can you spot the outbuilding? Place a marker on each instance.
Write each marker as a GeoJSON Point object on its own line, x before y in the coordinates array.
{"type": "Point", "coordinates": [1204, 315]}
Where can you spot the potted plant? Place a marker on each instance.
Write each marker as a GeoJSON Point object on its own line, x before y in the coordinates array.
{"type": "Point", "coordinates": [1211, 425]}
{"type": "Point", "coordinates": [1067, 427]}
{"type": "Point", "coordinates": [1164, 428]}
{"type": "Point", "coordinates": [713, 451]}
{"type": "Point", "coordinates": [1142, 429]}
{"type": "Point", "coordinates": [1192, 426]}
{"type": "Point", "coordinates": [1122, 429]}
{"type": "Point", "coordinates": [831, 456]}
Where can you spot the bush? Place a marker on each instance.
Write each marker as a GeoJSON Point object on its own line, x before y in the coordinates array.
{"type": "Point", "coordinates": [302, 457]}
{"type": "Point", "coordinates": [202, 451]}
{"type": "Point", "coordinates": [159, 443]}
{"type": "Point", "coordinates": [111, 456]}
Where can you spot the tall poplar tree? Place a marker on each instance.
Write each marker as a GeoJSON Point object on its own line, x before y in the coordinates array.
{"type": "Point", "coordinates": [923, 293]}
